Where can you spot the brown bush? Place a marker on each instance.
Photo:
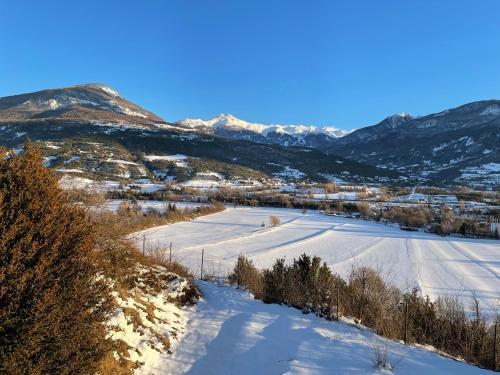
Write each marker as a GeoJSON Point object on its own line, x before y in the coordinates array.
{"type": "Point", "coordinates": [274, 221]}
{"type": "Point", "coordinates": [52, 304]}
{"type": "Point", "coordinates": [246, 275]}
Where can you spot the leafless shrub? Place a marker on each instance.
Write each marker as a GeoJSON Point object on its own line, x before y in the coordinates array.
{"type": "Point", "coordinates": [381, 358]}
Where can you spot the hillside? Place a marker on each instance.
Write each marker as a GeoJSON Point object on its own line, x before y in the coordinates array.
{"type": "Point", "coordinates": [455, 146]}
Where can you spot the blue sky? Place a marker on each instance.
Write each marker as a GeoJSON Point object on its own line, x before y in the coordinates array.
{"type": "Point", "coordinates": [343, 63]}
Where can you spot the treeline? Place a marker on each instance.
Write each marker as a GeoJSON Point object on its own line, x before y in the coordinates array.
{"type": "Point", "coordinates": [311, 286]}
{"type": "Point", "coordinates": [130, 217]}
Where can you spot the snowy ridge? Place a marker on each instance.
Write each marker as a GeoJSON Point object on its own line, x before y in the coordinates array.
{"type": "Point", "coordinates": [229, 122]}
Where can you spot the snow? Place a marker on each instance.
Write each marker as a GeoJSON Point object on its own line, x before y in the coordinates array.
{"type": "Point", "coordinates": [110, 91]}
{"type": "Point", "coordinates": [157, 321]}
{"type": "Point", "coordinates": [486, 174]}
{"type": "Point", "coordinates": [53, 104]}
{"type": "Point", "coordinates": [175, 157]}
{"type": "Point", "coordinates": [228, 121]}
{"type": "Point", "coordinates": [347, 196]}
{"type": "Point", "coordinates": [179, 159]}
{"type": "Point", "coordinates": [439, 148]}
{"type": "Point", "coordinates": [492, 110]}
{"type": "Point", "coordinates": [72, 182]}
{"type": "Point", "coordinates": [437, 266]}
{"type": "Point", "coordinates": [289, 172]}
{"type": "Point", "coordinates": [118, 161]}
{"type": "Point", "coordinates": [72, 159]}
{"type": "Point", "coordinates": [70, 170]}
{"type": "Point", "coordinates": [47, 161]}
{"type": "Point", "coordinates": [113, 204]}
{"type": "Point", "coordinates": [232, 333]}
{"type": "Point", "coordinates": [130, 112]}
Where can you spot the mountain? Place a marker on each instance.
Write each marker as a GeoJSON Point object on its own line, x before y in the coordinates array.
{"type": "Point", "coordinates": [93, 102]}
{"type": "Point", "coordinates": [92, 131]}
{"type": "Point", "coordinates": [229, 126]}
{"type": "Point", "coordinates": [453, 147]}
{"type": "Point", "coordinates": [456, 146]}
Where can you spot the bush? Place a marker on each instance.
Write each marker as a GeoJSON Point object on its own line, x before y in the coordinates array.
{"type": "Point", "coordinates": [52, 301]}
{"type": "Point", "coordinates": [366, 296]}
{"type": "Point", "coordinates": [246, 275]}
{"type": "Point", "coordinates": [274, 221]}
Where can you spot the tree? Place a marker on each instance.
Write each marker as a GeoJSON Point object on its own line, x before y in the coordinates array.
{"type": "Point", "coordinates": [52, 300]}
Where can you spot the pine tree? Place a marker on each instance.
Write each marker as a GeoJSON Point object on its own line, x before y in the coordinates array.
{"type": "Point", "coordinates": [52, 301]}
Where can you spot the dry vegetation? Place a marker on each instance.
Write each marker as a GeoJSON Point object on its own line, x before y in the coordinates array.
{"type": "Point", "coordinates": [312, 287]}
{"type": "Point", "coordinates": [65, 271]}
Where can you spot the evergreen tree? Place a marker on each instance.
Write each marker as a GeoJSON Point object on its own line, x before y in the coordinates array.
{"type": "Point", "coordinates": [52, 301]}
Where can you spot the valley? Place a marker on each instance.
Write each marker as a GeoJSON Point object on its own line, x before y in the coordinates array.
{"type": "Point", "coordinates": [435, 266]}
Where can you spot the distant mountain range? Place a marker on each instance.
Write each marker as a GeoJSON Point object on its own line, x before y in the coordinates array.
{"type": "Point", "coordinates": [284, 135]}
{"type": "Point", "coordinates": [92, 131]}
{"type": "Point", "coordinates": [455, 146]}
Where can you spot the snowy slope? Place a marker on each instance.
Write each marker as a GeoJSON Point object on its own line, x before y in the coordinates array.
{"type": "Point", "coordinates": [438, 266]}
{"type": "Point", "coordinates": [231, 333]}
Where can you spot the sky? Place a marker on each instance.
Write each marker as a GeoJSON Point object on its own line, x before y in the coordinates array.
{"type": "Point", "coordinates": [347, 63]}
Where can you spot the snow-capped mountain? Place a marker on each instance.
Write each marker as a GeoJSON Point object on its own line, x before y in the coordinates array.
{"type": "Point", "coordinates": [286, 135]}
{"type": "Point", "coordinates": [75, 103]}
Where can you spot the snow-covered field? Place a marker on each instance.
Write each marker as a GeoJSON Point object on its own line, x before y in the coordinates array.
{"type": "Point", "coordinates": [231, 333]}
{"type": "Point", "coordinates": [161, 206]}
{"type": "Point", "coordinates": [438, 266]}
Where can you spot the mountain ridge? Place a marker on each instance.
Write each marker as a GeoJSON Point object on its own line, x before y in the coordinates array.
{"type": "Point", "coordinates": [92, 130]}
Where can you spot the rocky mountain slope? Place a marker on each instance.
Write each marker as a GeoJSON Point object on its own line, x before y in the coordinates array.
{"type": "Point", "coordinates": [459, 145]}
{"type": "Point", "coordinates": [92, 130]}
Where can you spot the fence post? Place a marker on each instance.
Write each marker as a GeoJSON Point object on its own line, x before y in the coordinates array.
{"type": "Point", "coordinates": [170, 260]}
{"type": "Point", "coordinates": [202, 255]}
{"type": "Point", "coordinates": [338, 300]}
{"type": "Point", "coordinates": [143, 244]}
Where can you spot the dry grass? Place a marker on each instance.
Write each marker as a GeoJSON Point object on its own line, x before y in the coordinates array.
{"type": "Point", "coordinates": [110, 365]}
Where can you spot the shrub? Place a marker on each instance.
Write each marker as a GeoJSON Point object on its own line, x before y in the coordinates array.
{"type": "Point", "coordinates": [274, 221]}
{"type": "Point", "coordinates": [245, 274]}
{"type": "Point", "coordinates": [52, 301]}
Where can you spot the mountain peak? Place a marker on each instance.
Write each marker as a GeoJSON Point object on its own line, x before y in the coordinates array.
{"type": "Point", "coordinates": [228, 122]}
{"type": "Point", "coordinates": [78, 102]}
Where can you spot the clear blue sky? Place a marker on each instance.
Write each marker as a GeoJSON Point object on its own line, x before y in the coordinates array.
{"type": "Point", "coordinates": [344, 63]}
